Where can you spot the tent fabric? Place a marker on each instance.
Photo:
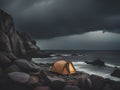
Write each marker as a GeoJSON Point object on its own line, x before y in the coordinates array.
{"type": "Point", "coordinates": [63, 67]}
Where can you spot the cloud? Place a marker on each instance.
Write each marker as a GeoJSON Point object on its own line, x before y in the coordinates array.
{"type": "Point", "coordinates": [89, 41]}
{"type": "Point", "coordinates": [52, 18]}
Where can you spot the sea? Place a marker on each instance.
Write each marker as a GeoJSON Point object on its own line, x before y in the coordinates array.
{"type": "Point", "coordinates": [78, 58]}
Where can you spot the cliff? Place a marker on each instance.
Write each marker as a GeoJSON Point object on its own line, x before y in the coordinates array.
{"type": "Point", "coordinates": [14, 44]}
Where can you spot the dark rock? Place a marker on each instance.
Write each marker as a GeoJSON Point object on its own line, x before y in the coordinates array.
{"type": "Point", "coordinates": [97, 62]}
{"type": "Point", "coordinates": [7, 84]}
{"type": "Point", "coordinates": [12, 41]}
{"type": "Point", "coordinates": [4, 42]}
{"type": "Point", "coordinates": [107, 87]}
{"type": "Point", "coordinates": [12, 68]}
{"type": "Point", "coordinates": [70, 87]}
{"type": "Point", "coordinates": [97, 82]}
{"type": "Point", "coordinates": [58, 85]}
{"type": "Point", "coordinates": [116, 73]}
{"type": "Point", "coordinates": [32, 50]}
{"type": "Point", "coordinates": [33, 80]}
{"type": "Point", "coordinates": [38, 54]}
{"type": "Point", "coordinates": [4, 61]}
{"type": "Point", "coordinates": [116, 86]}
{"type": "Point", "coordinates": [42, 88]}
{"type": "Point", "coordinates": [74, 54]}
{"type": "Point", "coordinates": [109, 81]}
{"type": "Point", "coordinates": [11, 56]}
{"type": "Point", "coordinates": [1, 71]}
{"type": "Point", "coordinates": [26, 66]}
{"type": "Point", "coordinates": [72, 82]}
{"type": "Point", "coordinates": [19, 77]}
{"type": "Point", "coordinates": [84, 82]}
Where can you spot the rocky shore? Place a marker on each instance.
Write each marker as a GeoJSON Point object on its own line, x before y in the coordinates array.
{"type": "Point", "coordinates": [18, 72]}
{"type": "Point", "coordinates": [33, 77]}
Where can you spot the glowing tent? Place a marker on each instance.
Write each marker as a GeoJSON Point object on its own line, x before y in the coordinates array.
{"type": "Point", "coordinates": [63, 67]}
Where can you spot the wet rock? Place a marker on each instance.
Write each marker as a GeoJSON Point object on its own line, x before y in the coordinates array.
{"type": "Point", "coordinates": [116, 86]}
{"type": "Point", "coordinates": [4, 61]}
{"type": "Point", "coordinates": [70, 87]}
{"type": "Point", "coordinates": [4, 42]}
{"type": "Point", "coordinates": [19, 77]}
{"type": "Point", "coordinates": [11, 56]}
{"type": "Point", "coordinates": [58, 85]}
{"type": "Point", "coordinates": [74, 54]}
{"type": "Point", "coordinates": [33, 80]}
{"type": "Point", "coordinates": [8, 84]}
{"type": "Point", "coordinates": [97, 62]}
{"type": "Point", "coordinates": [116, 73]}
{"type": "Point", "coordinates": [84, 82]}
{"type": "Point", "coordinates": [107, 87]}
{"type": "Point", "coordinates": [12, 68]}
{"type": "Point", "coordinates": [26, 66]}
{"type": "Point", "coordinates": [53, 81]}
{"type": "Point", "coordinates": [97, 82]}
{"type": "Point", "coordinates": [42, 88]}
{"type": "Point", "coordinates": [72, 82]}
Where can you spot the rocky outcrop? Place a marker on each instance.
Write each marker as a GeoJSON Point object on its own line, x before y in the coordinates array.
{"type": "Point", "coordinates": [116, 73]}
{"type": "Point", "coordinates": [26, 66]}
{"type": "Point", "coordinates": [37, 80]}
{"type": "Point", "coordinates": [97, 62]}
{"type": "Point", "coordinates": [14, 44]}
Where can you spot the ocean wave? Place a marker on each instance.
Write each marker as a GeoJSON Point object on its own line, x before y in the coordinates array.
{"type": "Point", "coordinates": [101, 71]}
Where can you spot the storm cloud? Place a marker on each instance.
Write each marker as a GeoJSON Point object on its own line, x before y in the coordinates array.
{"type": "Point", "coordinates": [53, 18]}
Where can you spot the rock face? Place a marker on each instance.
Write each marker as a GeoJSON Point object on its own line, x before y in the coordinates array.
{"type": "Point", "coordinates": [14, 44]}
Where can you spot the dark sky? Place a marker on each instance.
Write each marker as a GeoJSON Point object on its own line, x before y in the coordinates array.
{"type": "Point", "coordinates": [46, 19]}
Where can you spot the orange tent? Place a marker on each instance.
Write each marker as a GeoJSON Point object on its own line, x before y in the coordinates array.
{"type": "Point", "coordinates": [63, 67]}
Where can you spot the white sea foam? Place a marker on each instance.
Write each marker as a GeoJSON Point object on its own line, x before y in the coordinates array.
{"type": "Point", "coordinates": [101, 71]}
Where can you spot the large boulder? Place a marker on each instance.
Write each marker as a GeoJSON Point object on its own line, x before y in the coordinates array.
{"type": "Point", "coordinates": [98, 82]}
{"type": "Point", "coordinates": [33, 80]}
{"type": "Point", "coordinates": [107, 87]}
{"type": "Point", "coordinates": [58, 85]}
{"type": "Point", "coordinates": [12, 68]}
{"type": "Point", "coordinates": [23, 78]}
{"type": "Point", "coordinates": [97, 62]}
{"type": "Point", "coordinates": [116, 73]}
{"type": "Point", "coordinates": [116, 86]}
{"type": "Point", "coordinates": [7, 84]}
{"type": "Point", "coordinates": [19, 77]}
{"type": "Point", "coordinates": [84, 82]}
{"type": "Point", "coordinates": [4, 61]}
{"type": "Point", "coordinates": [26, 66]}
{"type": "Point", "coordinates": [53, 81]}
{"type": "Point", "coordinates": [72, 82]}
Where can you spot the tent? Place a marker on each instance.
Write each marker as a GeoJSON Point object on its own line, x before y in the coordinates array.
{"type": "Point", "coordinates": [63, 67]}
